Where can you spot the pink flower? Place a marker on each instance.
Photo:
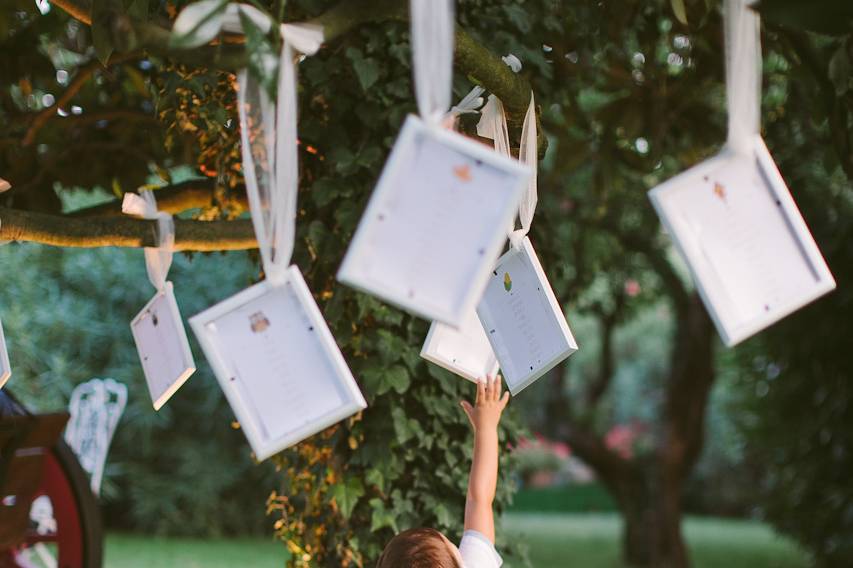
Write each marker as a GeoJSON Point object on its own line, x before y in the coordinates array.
{"type": "Point", "coordinates": [632, 287]}
{"type": "Point", "coordinates": [620, 439]}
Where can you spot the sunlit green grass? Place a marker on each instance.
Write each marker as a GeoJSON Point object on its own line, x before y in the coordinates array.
{"type": "Point", "coordinates": [141, 551]}
{"type": "Point", "coordinates": [552, 540]}
{"type": "Point", "coordinates": [593, 541]}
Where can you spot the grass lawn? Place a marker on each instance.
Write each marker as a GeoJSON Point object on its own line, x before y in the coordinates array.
{"type": "Point", "coordinates": [141, 551]}
{"type": "Point", "coordinates": [553, 541]}
{"type": "Point", "coordinates": [592, 541]}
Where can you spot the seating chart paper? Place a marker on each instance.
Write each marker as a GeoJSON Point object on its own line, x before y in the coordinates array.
{"type": "Point", "coordinates": [435, 223]}
{"type": "Point", "coordinates": [5, 367]}
{"type": "Point", "coordinates": [749, 250]}
{"type": "Point", "coordinates": [523, 320]}
{"type": "Point", "coordinates": [466, 351]}
{"type": "Point", "coordinates": [278, 364]}
{"type": "Point", "coordinates": [162, 344]}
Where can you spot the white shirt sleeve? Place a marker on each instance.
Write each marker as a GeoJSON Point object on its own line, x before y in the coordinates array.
{"type": "Point", "coordinates": [477, 551]}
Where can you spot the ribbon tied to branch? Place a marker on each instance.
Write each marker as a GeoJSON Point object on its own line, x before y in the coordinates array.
{"type": "Point", "coordinates": [270, 147]}
{"type": "Point", "coordinates": [158, 259]}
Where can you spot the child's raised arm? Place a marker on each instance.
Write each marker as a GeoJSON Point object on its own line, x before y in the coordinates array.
{"type": "Point", "coordinates": [482, 482]}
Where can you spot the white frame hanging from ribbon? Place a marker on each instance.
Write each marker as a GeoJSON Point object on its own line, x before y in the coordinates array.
{"type": "Point", "coordinates": [380, 248]}
{"type": "Point", "coordinates": [759, 206]}
{"type": "Point", "coordinates": [158, 330]}
{"type": "Point", "coordinates": [269, 148]}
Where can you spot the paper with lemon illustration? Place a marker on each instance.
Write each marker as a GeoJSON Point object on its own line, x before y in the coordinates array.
{"type": "Point", "coordinates": [523, 320]}
{"type": "Point", "coordinates": [435, 223]}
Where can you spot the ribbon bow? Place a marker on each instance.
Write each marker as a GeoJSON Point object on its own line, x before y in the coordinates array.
{"type": "Point", "coordinates": [493, 125]}
{"type": "Point", "coordinates": [158, 259]}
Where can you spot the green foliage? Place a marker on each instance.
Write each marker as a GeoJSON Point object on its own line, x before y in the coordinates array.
{"type": "Point", "coordinates": [630, 93]}
{"type": "Point", "coordinates": [823, 16]}
{"type": "Point", "coordinates": [798, 410]}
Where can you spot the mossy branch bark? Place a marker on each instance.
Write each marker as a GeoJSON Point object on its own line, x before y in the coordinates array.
{"type": "Point", "coordinates": [64, 231]}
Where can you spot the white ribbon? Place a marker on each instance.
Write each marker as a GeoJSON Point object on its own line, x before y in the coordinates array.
{"type": "Point", "coordinates": [743, 73]}
{"type": "Point", "coordinates": [432, 56]}
{"type": "Point", "coordinates": [470, 103]}
{"type": "Point", "coordinates": [158, 259]}
{"type": "Point", "coordinates": [493, 125]}
{"type": "Point", "coordinates": [270, 152]}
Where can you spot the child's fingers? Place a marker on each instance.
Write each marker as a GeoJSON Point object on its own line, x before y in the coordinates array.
{"type": "Point", "coordinates": [469, 411]}
{"type": "Point", "coordinates": [481, 391]}
{"type": "Point", "coordinates": [505, 399]}
{"type": "Point", "coordinates": [498, 387]}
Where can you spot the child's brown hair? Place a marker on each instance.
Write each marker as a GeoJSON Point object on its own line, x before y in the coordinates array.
{"type": "Point", "coordinates": [418, 548]}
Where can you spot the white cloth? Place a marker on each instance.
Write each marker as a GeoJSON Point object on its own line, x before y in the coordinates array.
{"type": "Point", "coordinates": [432, 29]}
{"type": "Point", "coordinates": [493, 125]}
{"type": "Point", "coordinates": [477, 551]}
{"type": "Point", "coordinates": [743, 74]}
{"type": "Point", "coordinates": [269, 148]}
{"type": "Point", "coordinates": [158, 259]}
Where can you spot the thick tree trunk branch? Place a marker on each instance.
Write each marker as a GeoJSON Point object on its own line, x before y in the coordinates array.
{"type": "Point", "coordinates": [173, 199]}
{"type": "Point", "coordinates": [470, 57]}
{"type": "Point", "coordinates": [689, 386]}
{"type": "Point", "coordinates": [62, 231]}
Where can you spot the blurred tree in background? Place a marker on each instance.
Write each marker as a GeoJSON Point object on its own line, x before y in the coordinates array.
{"type": "Point", "coordinates": [66, 314]}
{"type": "Point", "coordinates": [630, 94]}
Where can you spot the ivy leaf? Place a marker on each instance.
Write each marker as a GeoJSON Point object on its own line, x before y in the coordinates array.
{"type": "Point", "coordinates": [374, 477]}
{"type": "Point", "coordinates": [397, 378]}
{"type": "Point", "coordinates": [679, 10]}
{"type": "Point", "coordinates": [381, 516]}
{"type": "Point", "coordinates": [366, 69]}
{"type": "Point", "coordinates": [406, 428]}
{"type": "Point", "coordinates": [347, 494]}
{"type": "Point", "coordinates": [198, 23]}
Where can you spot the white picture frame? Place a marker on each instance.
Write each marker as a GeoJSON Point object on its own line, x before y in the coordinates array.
{"type": "Point", "coordinates": [5, 366]}
{"type": "Point", "coordinates": [263, 344]}
{"type": "Point", "coordinates": [162, 344]}
{"type": "Point", "coordinates": [523, 319]}
{"type": "Point", "coordinates": [751, 255]}
{"type": "Point", "coordinates": [465, 351]}
{"type": "Point", "coordinates": [424, 244]}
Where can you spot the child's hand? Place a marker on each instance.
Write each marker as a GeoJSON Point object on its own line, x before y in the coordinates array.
{"type": "Point", "coordinates": [486, 413]}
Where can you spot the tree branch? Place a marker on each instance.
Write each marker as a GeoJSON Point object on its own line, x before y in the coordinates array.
{"type": "Point", "coordinates": [80, 79]}
{"type": "Point", "coordinates": [62, 231]}
{"type": "Point", "coordinates": [606, 367]}
{"type": "Point", "coordinates": [175, 198]}
{"type": "Point", "coordinates": [470, 57]}
{"type": "Point", "coordinates": [78, 9]}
